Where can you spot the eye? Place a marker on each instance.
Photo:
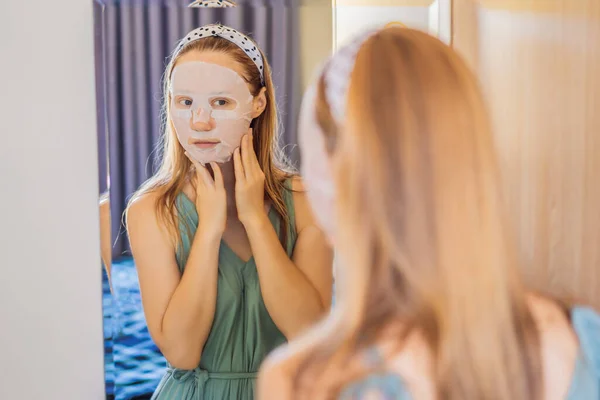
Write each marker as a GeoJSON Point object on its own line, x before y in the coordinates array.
{"type": "Point", "coordinates": [184, 102]}
{"type": "Point", "coordinates": [221, 103]}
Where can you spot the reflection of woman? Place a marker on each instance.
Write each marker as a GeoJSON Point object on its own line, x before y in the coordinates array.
{"type": "Point", "coordinates": [230, 262]}
{"type": "Point", "coordinates": [431, 305]}
{"type": "Point", "coordinates": [105, 242]}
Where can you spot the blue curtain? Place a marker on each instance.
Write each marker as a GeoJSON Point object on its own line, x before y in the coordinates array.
{"type": "Point", "coordinates": [133, 41]}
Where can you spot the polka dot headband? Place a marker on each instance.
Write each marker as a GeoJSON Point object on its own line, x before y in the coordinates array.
{"type": "Point", "coordinates": [213, 3]}
{"type": "Point", "coordinates": [337, 76]}
{"type": "Point", "coordinates": [230, 34]}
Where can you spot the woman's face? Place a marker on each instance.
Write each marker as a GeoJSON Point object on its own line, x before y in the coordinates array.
{"type": "Point", "coordinates": [211, 106]}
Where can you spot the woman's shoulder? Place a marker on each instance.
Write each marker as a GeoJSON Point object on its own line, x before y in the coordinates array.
{"type": "Point", "coordinates": [279, 371]}
{"type": "Point", "coordinates": [281, 367]}
{"type": "Point", "coordinates": [558, 323]}
{"type": "Point", "coordinates": [142, 204]}
{"type": "Point", "coordinates": [295, 185]}
{"type": "Point", "coordinates": [567, 337]}
{"type": "Point", "coordinates": [141, 219]}
{"type": "Point", "coordinates": [145, 201]}
{"type": "Point", "coordinates": [143, 208]}
{"type": "Point", "coordinates": [302, 207]}
{"type": "Point", "coordinates": [292, 183]}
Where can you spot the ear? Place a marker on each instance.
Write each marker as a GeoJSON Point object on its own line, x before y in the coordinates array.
{"type": "Point", "coordinates": [259, 103]}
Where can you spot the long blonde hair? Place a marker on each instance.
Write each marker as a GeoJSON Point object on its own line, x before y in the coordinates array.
{"type": "Point", "coordinates": [175, 167]}
{"type": "Point", "coordinates": [422, 233]}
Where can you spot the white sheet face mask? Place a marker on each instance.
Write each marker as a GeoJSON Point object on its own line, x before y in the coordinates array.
{"type": "Point", "coordinates": [211, 110]}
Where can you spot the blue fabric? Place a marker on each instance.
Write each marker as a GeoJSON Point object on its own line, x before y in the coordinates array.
{"type": "Point", "coordinates": [586, 379]}
{"type": "Point", "coordinates": [134, 365]}
{"type": "Point", "coordinates": [385, 386]}
{"type": "Point", "coordinates": [584, 386]}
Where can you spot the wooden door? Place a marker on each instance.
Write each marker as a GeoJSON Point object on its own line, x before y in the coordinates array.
{"type": "Point", "coordinates": [539, 64]}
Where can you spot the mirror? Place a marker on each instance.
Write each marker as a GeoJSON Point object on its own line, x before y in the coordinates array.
{"type": "Point", "coordinates": [134, 40]}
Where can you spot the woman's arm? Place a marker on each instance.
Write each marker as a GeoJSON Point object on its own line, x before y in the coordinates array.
{"type": "Point", "coordinates": [105, 238]}
{"type": "Point", "coordinates": [179, 308]}
{"type": "Point", "coordinates": [297, 291]}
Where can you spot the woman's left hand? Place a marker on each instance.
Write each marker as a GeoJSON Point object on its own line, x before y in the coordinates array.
{"type": "Point", "coordinates": [249, 184]}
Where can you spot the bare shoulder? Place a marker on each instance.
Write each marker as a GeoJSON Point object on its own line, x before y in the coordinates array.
{"type": "Point", "coordinates": [104, 208]}
{"type": "Point", "coordinates": [559, 345]}
{"type": "Point", "coordinates": [302, 207]}
{"type": "Point", "coordinates": [275, 375]}
{"type": "Point", "coordinates": [280, 369]}
{"type": "Point", "coordinates": [298, 189]}
{"type": "Point", "coordinates": [152, 248]}
{"type": "Point", "coordinates": [551, 319]}
{"type": "Point", "coordinates": [142, 208]}
{"type": "Point", "coordinates": [143, 224]}
{"type": "Point", "coordinates": [297, 183]}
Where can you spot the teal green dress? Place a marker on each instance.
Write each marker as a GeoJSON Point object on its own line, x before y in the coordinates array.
{"type": "Point", "coordinates": [242, 334]}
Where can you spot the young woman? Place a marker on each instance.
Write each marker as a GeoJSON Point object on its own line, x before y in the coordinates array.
{"type": "Point", "coordinates": [230, 261]}
{"type": "Point", "coordinates": [432, 305]}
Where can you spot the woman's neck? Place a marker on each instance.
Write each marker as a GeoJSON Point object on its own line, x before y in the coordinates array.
{"type": "Point", "coordinates": [228, 172]}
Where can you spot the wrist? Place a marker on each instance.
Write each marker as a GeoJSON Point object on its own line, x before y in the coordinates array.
{"type": "Point", "coordinates": [256, 221]}
{"type": "Point", "coordinates": [209, 234]}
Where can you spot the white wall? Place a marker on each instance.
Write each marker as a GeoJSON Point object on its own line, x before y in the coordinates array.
{"type": "Point", "coordinates": [50, 288]}
{"type": "Point", "coordinates": [356, 16]}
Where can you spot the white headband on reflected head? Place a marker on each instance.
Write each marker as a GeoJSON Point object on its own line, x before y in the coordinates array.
{"type": "Point", "coordinates": [337, 76]}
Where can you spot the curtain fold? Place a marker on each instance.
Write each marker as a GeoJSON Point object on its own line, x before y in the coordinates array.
{"type": "Point", "coordinates": [133, 40]}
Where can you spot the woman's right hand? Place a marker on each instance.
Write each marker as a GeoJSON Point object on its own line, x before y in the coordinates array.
{"type": "Point", "coordinates": [211, 199]}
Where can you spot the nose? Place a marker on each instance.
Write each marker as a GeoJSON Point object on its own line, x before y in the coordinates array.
{"type": "Point", "coordinates": [202, 120]}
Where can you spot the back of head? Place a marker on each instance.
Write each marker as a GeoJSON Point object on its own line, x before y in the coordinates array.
{"type": "Point", "coordinates": [421, 228]}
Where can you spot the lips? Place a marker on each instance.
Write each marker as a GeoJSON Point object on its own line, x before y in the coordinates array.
{"type": "Point", "coordinates": [204, 143]}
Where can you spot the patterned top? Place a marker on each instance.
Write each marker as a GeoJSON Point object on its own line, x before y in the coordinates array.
{"type": "Point", "coordinates": [584, 386]}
